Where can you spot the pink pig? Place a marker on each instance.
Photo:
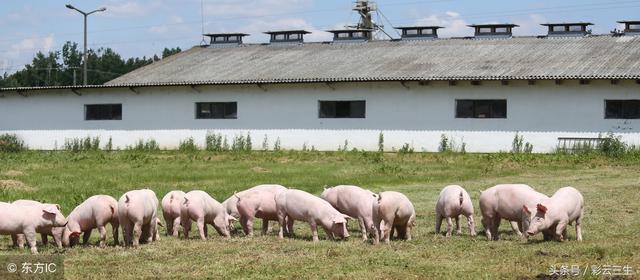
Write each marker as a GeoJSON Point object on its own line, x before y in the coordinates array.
{"type": "Point", "coordinates": [200, 207]}
{"type": "Point", "coordinates": [138, 216]}
{"type": "Point", "coordinates": [563, 208]}
{"type": "Point", "coordinates": [397, 213]}
{"type": "Point", "coordinates": [17, 219]}
{"type": "Point", "coordinates": [171, 211]}
{"type": "Point", "coordinates": [258, 203]}
{"type": "Point", "coordinates": [302, 206]}
{"type": "Point", "coordinates": [357, 203]}
{"type": "Point", "coordinates": [453, 202]}
{"type": "Point", "coordinates": [231, 204]}
{"type": "Point", "coordinates": [95, 212]}
{"type": "Point", "coordinates": [505, 202]}
{"type": "Point", "coordinates": [56, 232]}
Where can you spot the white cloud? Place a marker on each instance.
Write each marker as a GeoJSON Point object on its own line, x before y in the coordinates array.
{"type": "Point", "coordinates": [127, 9]}
{"type": "Point", "coordinates": [454, 25]}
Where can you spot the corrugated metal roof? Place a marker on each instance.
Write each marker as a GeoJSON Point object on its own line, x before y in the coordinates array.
{"type": "Point", "coordinates": [519, 58]}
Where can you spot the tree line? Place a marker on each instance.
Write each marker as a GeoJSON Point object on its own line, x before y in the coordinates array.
{"type": "Point", "coordinates": [65, 67]}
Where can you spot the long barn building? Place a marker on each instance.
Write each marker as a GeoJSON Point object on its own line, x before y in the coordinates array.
{"type": "Point", "coordinates": [566, 87]}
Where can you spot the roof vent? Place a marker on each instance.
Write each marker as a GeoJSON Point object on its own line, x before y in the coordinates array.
{"type": "Point", "coordinates": [351, 35]}
{"type": "Point", "coordinates": [287, 36]}
{"type": "Point", "coordinates": [567, 29]}
{"type": "Point", "coordinates": [498, 30]}
{"type": "Point", "coordinates": [419, 32]}
{"type": "Point", "coordinates": [631, 27]}
{"type": "Point", "coordinates": [225, 39]}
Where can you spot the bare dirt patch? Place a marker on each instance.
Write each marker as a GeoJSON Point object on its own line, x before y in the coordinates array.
{"type": "Point", "coordinates": [13, 173]}
{"type": "Point", "coordinates": [13, 185]}
{"type": "Point", "coordinates": [259, 169]}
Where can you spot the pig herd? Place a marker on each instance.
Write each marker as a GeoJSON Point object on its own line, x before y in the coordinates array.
{"type": "Point", "coordinates": [379, 215]}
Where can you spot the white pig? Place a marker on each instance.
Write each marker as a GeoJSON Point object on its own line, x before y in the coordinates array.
{"type": "Point", "coordinates": [138, 216]}
{"type": "Point", "coordinates": [563, 208]}
{"type": "Point", "coordinates": [357, 203]}
{"type": "Point", "coordinates": [17, 219]}
{"type": "Point", "coordinates": [95, 212]}
{"type": "Point", "coordinates": [231, 204]}
{"type": "Point", "coordinates": [171, 211]}
{"type": "Point", "coordinates": [397, 213]}
{"type": "Point", "coordinates": [302, 206]}
{"type": "Point", "coordinates": [200, 207]}
{"type": "Point", "coordinates": [453, 202]}
{"type": "Point", "coordinates": [505, 202]}
{"type": "Point", "coordinates": [257, 203]}
{"type": "Point", "coordinates": [56, 232]}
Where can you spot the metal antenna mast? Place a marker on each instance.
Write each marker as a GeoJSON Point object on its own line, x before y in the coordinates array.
{"type": "Point", "coordinates": [365, 9]}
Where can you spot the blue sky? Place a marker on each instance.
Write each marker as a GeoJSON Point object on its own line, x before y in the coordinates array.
{"type": "Point", "coordinates": [145, 27]}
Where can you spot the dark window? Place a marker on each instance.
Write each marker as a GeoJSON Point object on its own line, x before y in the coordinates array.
{"type": "Point", "coordinates": [622, 109]}
{"type": "Point", "coordinates": [96, 112]}
{"type": "Point", "coordinates": [217, 110]}
{"type": "Point", "coordinates": [342, 109]}
{"type": "Point", "coordinates": [481, 109]}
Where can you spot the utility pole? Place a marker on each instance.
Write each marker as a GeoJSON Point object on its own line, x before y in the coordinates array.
{"type": "Point", "coordinates": [365, 9]}
{"type": "Point", "coordinates": [86, 55]}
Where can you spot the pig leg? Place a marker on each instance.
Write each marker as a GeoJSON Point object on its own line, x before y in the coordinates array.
{"type": "Point", "coordinates": [18, 240]}
{"type": "Point", "coordinates": [579, 227]}
{"type": "Point", "coordinates": [386, 231]}
{"type": "Point", "coordinates": [248, 226]}
{"type": "Point", "coordinates": [290, 226]}
{"type": "Point", "coordinates": [458, 227]}
{"type": "Point", "coordinates": [153, 230]}
{"type": "Point", "coordinates": [314, 230]}
{"type": "Point", "coordinates": [103, 236]}
{"type": "Point", "coordinates": [363, 228]}
{"type": "Point", "coordinates": [114, 229]}
{"type": "Point", "coordinates": [243, 224]}
{"type": "Point", "coordinates": [407, 232]}
{"type": "Point", "coordinates": [137, 232]}
{"type": "Point", "coordinates": [449, 226]}
{"type": "Point", "coordinates": [438, 222]}
{"type": "Point", "coordinates": [516, 228]}
{"type": "Point", "coordinates": [368, 223]}
{"type": "Point", "coordinates": [45, 239]}
{"type": "Point", "coordinates": [85, 237]}
{"type": "Point", "coordinates": [186, 227]}
{"type": "Point", "coordinates": [174, 227]}
{"type": "Point", "coordinates": [169, 221]}
{"type": "Point", "coordinates": [560, 229]}
{"type": "Point", "coordinates": [31, 239]}
{"type": "Point", "coordinates": [201, 226]}
{"type": "Point", "coordinates": [58, 240]}
{"type": "Point", "coordinates": [126, 233]}
{"type": "Point", "coordinates": [266, 228]}
{"type": "Point", "coordinates": [206, 231]}
{"type": "Point", "coordinates": [486, 223]}
{"type": "Point", "coordinates": [472, 225]}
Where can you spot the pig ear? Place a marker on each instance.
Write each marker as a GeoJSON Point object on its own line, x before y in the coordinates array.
{"type": "Point", "coordinates": [58, 206]}
{"type": "Point", "coordinates": [542, 208]}
{"type": "Point", "coordinates": [75, 234]}
{"type": "Point", "coordinates": [340, 219]}
{"type": "Point", "coordinates": [526, 209]}
{"type": "Point", "coordinates": [347, 217]}
{"type": "Point", "coordinates": [50, 209]}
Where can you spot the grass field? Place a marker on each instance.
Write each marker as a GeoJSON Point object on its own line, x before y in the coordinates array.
{"type": "Point", "coordinates": [610, 187]}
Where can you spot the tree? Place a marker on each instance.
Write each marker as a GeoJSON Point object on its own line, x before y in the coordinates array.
{"type": "Point", "coordinates": [169, 52]}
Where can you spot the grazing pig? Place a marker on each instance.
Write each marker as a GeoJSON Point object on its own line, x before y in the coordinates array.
{"type": "Point", "coordinates": [56, 232]}
{"type": "Point", "coordinates": [95, 212]}
{"type": "Point", "coordinates": [231, 204]}
{"type": "Point", "coordinates": [138, 216]}
{"type": "Point", "coordinates": [200, 207]}
{"type": "Point", "coordinates": [258, 203]}
{"type": "Point", "coordinates": [302, 206]}
{"type": "Point", "coordinates": [357, 203]}
{"type": "Point", "coordinates": [18, 219]}
{"type": "Point", "coordinates": [505, 202]}
{"type": "Point", "coordinates": [453, 202]}
{"type": "Point", "coordinates": [171, 211]}
{"type": "Point", "coordinates": [555, 213]}
{"type": "Point", "coordinates": [397, 213]}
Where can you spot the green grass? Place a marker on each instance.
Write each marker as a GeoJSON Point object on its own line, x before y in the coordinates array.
{"type": "Point", "coordinates": [610, 187]}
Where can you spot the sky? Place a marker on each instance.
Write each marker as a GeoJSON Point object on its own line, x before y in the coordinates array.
{"type": "Point", "coordinates": [136, 28]}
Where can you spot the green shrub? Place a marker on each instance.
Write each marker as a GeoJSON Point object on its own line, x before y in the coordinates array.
{"type": "Point", "coordinates": [10, 143]}
{"type": "Point", "coordinates": [76, 145]}
{"type": "Point", "coordinates": [187, 145]}
{"type": "Point", "coordinates": [518, 145]}
{"type": "Point", "coordinates": [144, 146]}
{"type": "Point", "coordinates": [381, 142]}
{"type": "Point", "coordinates": [612, 146]}
{"type": "Point", "coordinates": [406, 149]}
{"type": "Point", "coordinates": [213, 142]}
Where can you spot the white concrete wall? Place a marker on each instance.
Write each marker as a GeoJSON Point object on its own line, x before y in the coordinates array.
{"type": "Point", "coordinates": [417, 115]}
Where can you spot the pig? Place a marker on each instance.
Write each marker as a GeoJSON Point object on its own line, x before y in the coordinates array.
{"type": "Point", "coordinates": [19, 219]}
{"type": "Point", "coordinates": [302, 206]}
{"type": "Point", "coordinates": [396, 213]}
{"type": "Point", "coordinates": [231, 204]}
{"type": "Point", "coordinates": [505, 202]}
{"type": "Point", "coordinates": [95, 212]}
{"type": "Point", "coordinates": [200, 207]}
{"type": "Point", "coordinates": [138, 216]}
{"type": "Point", "coordinates": [171, 211]}
{"type": "Point", "coordinates": [453, 202]}
{"type": "Point", "coordinates": [563, 208]}
{"type": "Point", "coordinates": [56, 232]}
{"type": "Point", "coordinates": [357, 203]}
{"type": "Point", "coordinates": [258, 203]}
